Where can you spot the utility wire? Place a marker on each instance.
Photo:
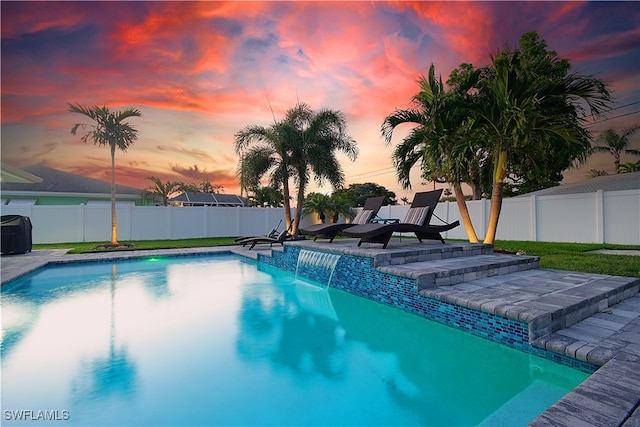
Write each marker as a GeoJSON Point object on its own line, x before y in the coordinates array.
{"type": "Point", "coordinates": [611, 118]}
{"type": "Point", "coordinates": [391, 169]}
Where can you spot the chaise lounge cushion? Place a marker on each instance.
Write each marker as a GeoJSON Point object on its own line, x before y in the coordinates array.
{"type": "Point", "coordinates": [363, 217]}
{"type": "Point", "coordinates": [416, 215]}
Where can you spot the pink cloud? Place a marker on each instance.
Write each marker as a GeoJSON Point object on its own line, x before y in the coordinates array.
{"type": "Point", "coordinates": [194, 153]}
{"type": "Point", "coordinates": [607, 46]}
{"type": "Point", "coordinates": [32, 17]}
{"type": "Point", "coordinates": [200, 71]}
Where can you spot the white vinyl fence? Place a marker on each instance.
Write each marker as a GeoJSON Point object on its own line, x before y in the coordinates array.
{"type": "Point", "coordinates": [600, 217]}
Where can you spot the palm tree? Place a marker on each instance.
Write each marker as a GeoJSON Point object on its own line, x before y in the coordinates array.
{"type": "Point", "coordinates": [525, 110]}
{"type": "Point", "coordinates": [162, 190]}
{"type": "Point", "coordinates": [594, 173]}
{"type": "Point", "coordinates": [109, 129]}
{"type": "Point", "coordinates": [630, 167]}
{"type": "Point", "coordinates": [207, 187]}
{"type": "Point", "coordinates": [440, 142]}
{"type": "Point", "coordinates": [339, 205]}
{"type": "Point", "coordinates": [267, 196]}
{"type": "Point", "coordinates": [317, 203]}
{"type": "Point", "coordinates": [611, 142]}
{"type": "Point", "coordinates": [263, 152]}
{"type": "Point", "coordinates": [300, 146]}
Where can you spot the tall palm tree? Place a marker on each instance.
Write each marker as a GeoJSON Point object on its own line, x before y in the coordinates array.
{"type": "Point", "coordinates": [300, 146]}
{"type": "Point", "coordinates": [525, 111]}
{"type": "Point", "coordinates": [440, 142]}
{"type": "Point", "coordinates": [262, 151]}
{"type": "Point", "coordinates": [110, 129]}
{"type": "Point", "coordinates": [610, 141]}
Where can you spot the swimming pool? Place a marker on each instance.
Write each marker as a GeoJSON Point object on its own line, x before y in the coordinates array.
{"type": "Point", "coordinates": [219, 340]}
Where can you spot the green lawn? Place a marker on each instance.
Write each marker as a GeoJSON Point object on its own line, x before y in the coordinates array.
{"type": "Point", "coordinates": [576, 257]}
{"type": "Point", "coordinates": [559, 256]}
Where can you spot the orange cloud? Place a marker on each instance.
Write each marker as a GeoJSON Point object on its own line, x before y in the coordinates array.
{"type": "Point", "coordinates": [195, 153]}
{"type": "Point", "coordinates": [193, 174]}
{"type": "Point", "coordinates": [200, 71]}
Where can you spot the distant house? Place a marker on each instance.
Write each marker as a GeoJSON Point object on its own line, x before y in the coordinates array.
{"type": "Point", "coordinates": [11, 174]}
{"type": "Point", "coordinates": [617, 182]}
{"type": "Point", "coordinates": [207, 199]}
{"type": "Point", "coordinates": [62, 188]}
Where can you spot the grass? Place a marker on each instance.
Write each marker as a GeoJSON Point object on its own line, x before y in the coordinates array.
{"type": "Point", "coordinates": [91, 247]}
{"type": "Point", "coordinates": [557, 256]}
{"type": "Point", "coordinates": [577, 257]}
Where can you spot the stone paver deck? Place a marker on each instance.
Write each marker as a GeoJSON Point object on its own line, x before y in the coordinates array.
{"type": "Point", "coordinates": [594, 318]}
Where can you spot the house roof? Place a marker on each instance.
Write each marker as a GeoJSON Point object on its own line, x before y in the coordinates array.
{"type": "Point", "coordinates": [11, 174]}
{"type": "Point", "coordinates": [208, 199]}
{"type": "Point", "coordinates": [56, 181]}
{"type": "Point", "coordinates": [617, 182]}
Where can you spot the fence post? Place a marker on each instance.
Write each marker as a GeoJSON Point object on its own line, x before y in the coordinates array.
{"type": "Point", "coordinates": [486, 208]}
{"type": "Point", "coordinates": [447, 216]}
{"type": "Point", "coordinates": [83, 206]}
{"type": "Point", "coordinates": [205, 222]}
{"type": "Point", "coordinates": [534, 217]}
{"type": "Point", "coordinates": [599, 195]}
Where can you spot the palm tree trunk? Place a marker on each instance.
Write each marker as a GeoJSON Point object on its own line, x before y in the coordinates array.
{"type": "Point", "coordinates": [464, 213]}
{"type": "Point", "coordinates": [287, 203]}
{"type": "Point", "coordinates": [476, 189]}
{"type": "Point", "coordinates": [499, 173]}
{"type": "Point", "coordinates": [301, 188]}
{"type": "Point", "coordinates": [496, 207]}
{"type": "Point", "coordinates": [114, 227]}
{"type": "Point", "coordinates": [475, 184]}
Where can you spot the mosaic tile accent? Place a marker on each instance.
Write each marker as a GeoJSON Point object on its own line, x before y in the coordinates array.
{"type": "Point", "coordinates": [357, 275]}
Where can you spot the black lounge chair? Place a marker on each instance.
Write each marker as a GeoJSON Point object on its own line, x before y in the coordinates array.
{"type": "Point", "coordinates": [416, 221]}
{"type": "Point", "coordinates": [280, 238]}
{"type": "Point", "coordinates": [273, 233]}
{"type": "Point", "coordinates": [330, 231]}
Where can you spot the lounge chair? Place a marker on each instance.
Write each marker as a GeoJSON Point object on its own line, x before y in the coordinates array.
{"type": "Point", "coordinates": [273, 233]}
{"type": "Point", "coordinates": [330, 231]}
{"type": "Point", "coordinates": [416, 221]}
{"type": "Point", "coordinates": [280, 238]}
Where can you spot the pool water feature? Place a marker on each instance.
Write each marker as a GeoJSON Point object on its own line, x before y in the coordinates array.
{"type": "Point", "coordinates": [317, 265]}
{"type": "Point", "coordinates": [217, 340]}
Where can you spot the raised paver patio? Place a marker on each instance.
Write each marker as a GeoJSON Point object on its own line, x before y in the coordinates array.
{"type": "Point", "coordinates": [589, 317]}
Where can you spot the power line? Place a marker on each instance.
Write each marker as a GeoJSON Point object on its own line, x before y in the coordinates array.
{"type": "Point", "coordinates": [390, 169]}
{"type": "Point", "coordinates": [614, 117]}
{"type": "Point", "coordinates": [623, 106]}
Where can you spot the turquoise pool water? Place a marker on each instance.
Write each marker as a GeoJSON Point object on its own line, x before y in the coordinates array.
{"type": "Point", "coordinates": [218, 340]}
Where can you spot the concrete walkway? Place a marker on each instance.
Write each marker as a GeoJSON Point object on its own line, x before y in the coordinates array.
{"type": "Point", "coordinates": [594, 318]}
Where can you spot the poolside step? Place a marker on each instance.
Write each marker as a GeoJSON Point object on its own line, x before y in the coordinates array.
{"type": "Point", "coordinates": [432, 264]}
{"type": "Point", "coordinates": [426, 253]}
{"type": "Point", "coordinates": [452, 271]}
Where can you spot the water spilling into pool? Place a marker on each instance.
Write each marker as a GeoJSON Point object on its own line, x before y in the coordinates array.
{"type": "Point", "coordinates": [319, 263]}
{"type": "Point", "coordinates": [221, 341]}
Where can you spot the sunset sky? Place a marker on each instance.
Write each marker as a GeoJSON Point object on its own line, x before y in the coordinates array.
{"type": "Point", "coordinates": [201, 71]}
